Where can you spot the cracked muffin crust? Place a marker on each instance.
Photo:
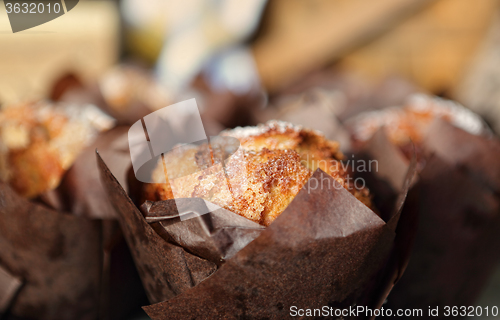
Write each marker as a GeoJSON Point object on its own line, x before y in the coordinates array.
{"type": "Point", "coordinates": [260, 179]}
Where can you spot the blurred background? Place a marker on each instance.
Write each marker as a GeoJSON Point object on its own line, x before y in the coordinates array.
{"type": "Point", "coordinates": [246, 61]}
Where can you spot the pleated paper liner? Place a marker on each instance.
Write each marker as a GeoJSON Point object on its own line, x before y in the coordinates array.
{"type": "Point", "coordinates": [57, 256]}
{"type": "Point", "coordinates": [9, 287]}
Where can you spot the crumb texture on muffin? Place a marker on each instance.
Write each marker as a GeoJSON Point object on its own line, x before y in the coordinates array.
{"type": "Point", "coordinates": [260, 179]}
{"type": "Point", "coordinates": [410, 122]}
{"type": "Point", "coordinates": [39, 141]}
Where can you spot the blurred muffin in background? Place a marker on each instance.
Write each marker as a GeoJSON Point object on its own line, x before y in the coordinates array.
{"type": "Point", "coordinates": [39, 141]}
{"type": "Point", "coordinates": [410, 123]}
{"type": "Point", "coordinates": [125, 86]}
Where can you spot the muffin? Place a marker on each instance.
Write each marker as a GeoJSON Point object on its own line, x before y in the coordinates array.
{"type": "Point", "coordinates": [125, 86]}
{"type": "Point", "coordinates": [260, 179]}
{"type": "Point", "coordinates": [39, 141]}
{"type": "Point", "coordinates": [407, 125]}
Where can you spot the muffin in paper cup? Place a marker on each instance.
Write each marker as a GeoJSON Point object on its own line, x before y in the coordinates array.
{"type": "Point", "coordinates": [457, 191]}
{"type": "Point", "coordinates": [51, 245]}
{"type": "Point", "coordinates": [327, 248]}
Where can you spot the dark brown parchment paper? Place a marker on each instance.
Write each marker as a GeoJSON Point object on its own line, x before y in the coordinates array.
{"type": "Point", "coordinates": [458, 207]}
{"type": "Point", "coordinates": [56, 248]}
{"type": "Point", "coordinates": [326, 248]}
{"type": "Point", "coordinates": [456, 247]}
{"type": "Point", "coordinates": [57, 256]}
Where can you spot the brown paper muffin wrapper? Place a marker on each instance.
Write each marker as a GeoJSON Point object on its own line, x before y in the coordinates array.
{"type": "Point", "coordinates": [55, 250]}
{"type": "Point", "coordinates": [325, 249]}
{"type": "Point", "coordinates": [81, 191]}
{"type": "Point", "coordinates": [56, 256]}
{"type": "Point", "coordinates": [9, 287]}
{"type": "Point", "coordinates": [477, 154]}
{"type": "Point", "coordinates": [456, 246]}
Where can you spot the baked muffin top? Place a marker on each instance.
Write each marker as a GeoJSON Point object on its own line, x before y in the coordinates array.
{"type": "Point", "coordinates": [39, 141]}
{"type": "Point", "coordinates": [410, 123]}
{"type": "Point", "coordinates": [260, 179]}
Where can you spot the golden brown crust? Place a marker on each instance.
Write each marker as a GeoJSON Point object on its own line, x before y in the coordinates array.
{"type": "Point", "coordinates": [407, 124]}
{"type": "Point", "coordinates": [39, 141]}
{"type": "Point", "coordinates": [261, 179]}
{"type": "Point", "coordinates": [34, 170]}
{"type": "Point", "coordinates": [270, 181]}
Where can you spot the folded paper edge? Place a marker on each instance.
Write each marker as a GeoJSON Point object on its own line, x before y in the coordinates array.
{"type": "Point", "coordinates": [11, 286]}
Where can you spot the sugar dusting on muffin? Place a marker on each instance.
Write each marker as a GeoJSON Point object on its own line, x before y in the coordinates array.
{"type": "Point", "coordinates": [260, 180]}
